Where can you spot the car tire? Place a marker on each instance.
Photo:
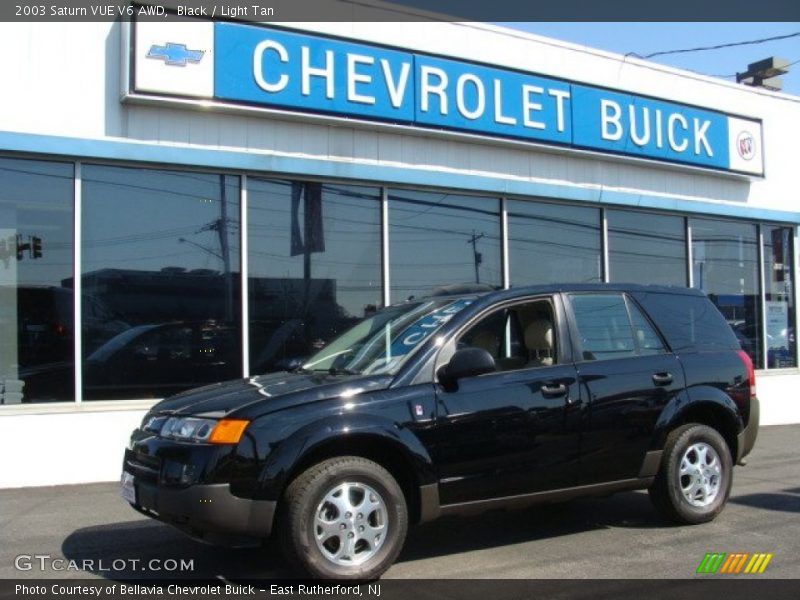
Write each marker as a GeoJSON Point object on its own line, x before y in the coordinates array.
{"type": "Point", "coordinates": [694, 481]}
{"type": "Point", "coordinates": [343, 518]}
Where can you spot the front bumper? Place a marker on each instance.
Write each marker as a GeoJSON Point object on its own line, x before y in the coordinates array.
{"type": "Point", "coordinates": [747, 438]}
{"type": "Point", "coordinates": [210, 513]}
{"type": "Point", "coordinates": [169, 486]}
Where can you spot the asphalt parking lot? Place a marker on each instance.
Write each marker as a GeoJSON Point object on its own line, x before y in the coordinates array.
{"type": "Point", "coordinates": [614, 537]}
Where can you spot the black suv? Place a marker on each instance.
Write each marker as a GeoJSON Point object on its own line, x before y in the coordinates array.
{"type": "Point", "coordinates": [455, 404]}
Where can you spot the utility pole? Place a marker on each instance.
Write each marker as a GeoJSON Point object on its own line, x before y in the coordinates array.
{"type": "Point", "coordinates": [222, 230]}
{"type": "Point", "coordinates": [220, 226]}
{"type": "Point", "coordinates": [477, 256]}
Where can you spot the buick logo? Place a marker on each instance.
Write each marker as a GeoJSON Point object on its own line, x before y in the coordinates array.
{"type": "Point", "coordinates": [746, 145]}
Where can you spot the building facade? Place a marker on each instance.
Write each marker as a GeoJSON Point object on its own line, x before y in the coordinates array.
{"type": "Point", "coordinates": [190, 201]}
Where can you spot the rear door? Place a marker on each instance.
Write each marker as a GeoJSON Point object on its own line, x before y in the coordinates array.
{"type": "Point", "coordinates": [627, 376]}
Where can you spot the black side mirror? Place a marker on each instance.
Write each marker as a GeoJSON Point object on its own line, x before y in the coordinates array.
{"type": "Point", "coordinates": [466, 362]}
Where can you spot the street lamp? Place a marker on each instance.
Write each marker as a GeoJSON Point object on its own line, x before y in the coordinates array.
{"type": "Point", "coordinates": [764, 73]}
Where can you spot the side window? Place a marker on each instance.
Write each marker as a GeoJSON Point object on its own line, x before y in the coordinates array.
{"type": "Point", "coordinates": [521, 336]}
{"type": "Point", "coordinates": [646, 337]}
{"type": "Point", "coordinates": [604, 329]}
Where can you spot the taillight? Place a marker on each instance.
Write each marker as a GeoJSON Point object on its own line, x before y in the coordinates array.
{"type": "Point", "coordinates": [751, 373]}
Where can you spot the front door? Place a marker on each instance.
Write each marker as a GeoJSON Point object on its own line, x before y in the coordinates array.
{"type": "Point", "coordinates": [514, 431]}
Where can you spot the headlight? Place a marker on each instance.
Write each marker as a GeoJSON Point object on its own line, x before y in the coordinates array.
{"type": "Point", "coordinates": [188, 428]}
{"type": "Point", "coordinates": [196, 429]}
{"type": "Point", "coordinates": [153, 423]}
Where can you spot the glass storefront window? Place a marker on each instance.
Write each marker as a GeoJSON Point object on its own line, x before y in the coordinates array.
{"type": "Point", "coordinates": [439, 239]}
{"type": "Point", "coordinates": [779, 295]}
{"type": "Point", "coordinates": [161, 297]}
{"type": "Point", "coordinates": [646, 248]}
{"type": "Point", "coordinates": [160, 275]}
{"type": "Point", "coordinates": [36, 267]}
{"type": "Point", "coordinates": [314, 266]}
{"type": "Point", "coordinates": [549, 243]}
{"type": "Point", "coordinates": [725, 266]}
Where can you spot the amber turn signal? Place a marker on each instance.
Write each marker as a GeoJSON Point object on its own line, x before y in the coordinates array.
{"type": "Point", "coordinates": [228, 431]}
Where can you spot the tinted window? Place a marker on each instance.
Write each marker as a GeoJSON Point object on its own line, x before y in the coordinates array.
{"type": "Point", "coordinates": [779, 294]}
{"type": "Point", "coordinates": [441, 238]}
{"type": "Point", "coordinates": [646, 247]}
{"type": "Point", "coordinates": [604, 329]}
{"type": "Point", "coordinates": [688, 322]}
{"type": "Point", "coordinates": [549, 243]}
{"type": "Point", "coordinates": [160, 253]}
{"type": "Point", "coordinates": [314, 268]}
{"type": "Point", "coordinates": [646, 337]}
{"type": "Point", "coordinates": [36, 269]}
{"type": "Point", "coordinates": [725, 266]}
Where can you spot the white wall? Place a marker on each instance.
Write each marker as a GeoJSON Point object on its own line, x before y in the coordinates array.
{"type": "Point", "coordinates": [780, 404]}
{"type": "Point", "coordinates": [62, 448]}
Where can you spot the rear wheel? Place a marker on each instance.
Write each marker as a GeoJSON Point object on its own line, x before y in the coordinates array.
{"type": "Point", "coordinates": [344, 518]}
{"type": "Point", "coordinates": [695, 478]}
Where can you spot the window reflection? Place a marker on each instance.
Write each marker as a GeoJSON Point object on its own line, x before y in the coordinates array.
{"type": "Point", "coordinates": [646, 248]}
{"type": "Point", "coordinates": [725, 266]}
{"type": "Point", "coordinates": [160, 281]}
{"type": "Point", "coordinates": [36, 307]}
{"type": "Point", "coordinates": [314, 266]}
{"type": "Point", "coordinates": [548, 243]}
{"type": "Point", "coordinates": [779, 295]}
{"type": "Point", "coordinates": [438, 239]}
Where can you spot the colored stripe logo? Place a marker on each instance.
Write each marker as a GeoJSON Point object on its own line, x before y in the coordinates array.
{"type": "Point", "coordinates": [734, 563]}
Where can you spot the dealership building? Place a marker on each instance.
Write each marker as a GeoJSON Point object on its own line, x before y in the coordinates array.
{"type": "Point", "coordinates": [187, 201]}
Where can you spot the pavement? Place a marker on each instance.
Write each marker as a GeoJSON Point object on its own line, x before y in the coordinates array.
{"type": "Point", "coordinates": [614, 537]}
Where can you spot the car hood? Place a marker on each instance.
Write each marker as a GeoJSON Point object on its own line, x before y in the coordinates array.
{"type": "Point", "coordinates": [263, 394]}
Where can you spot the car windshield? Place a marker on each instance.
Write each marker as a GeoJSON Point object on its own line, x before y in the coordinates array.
{"type": "Point", "coordinates": [118, 342]}
{"type": "Point", "coordinates": [382, 342]}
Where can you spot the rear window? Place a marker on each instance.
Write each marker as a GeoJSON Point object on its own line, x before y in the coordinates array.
{"type": "Point", "coordinates": [688, 322]}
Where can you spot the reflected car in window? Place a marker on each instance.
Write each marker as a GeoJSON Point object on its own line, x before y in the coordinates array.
{"type": "Point", "coordinates": [152, 361]}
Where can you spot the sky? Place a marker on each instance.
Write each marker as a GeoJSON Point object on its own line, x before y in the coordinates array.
{"type": "Point", "coordinates": [646, 38]}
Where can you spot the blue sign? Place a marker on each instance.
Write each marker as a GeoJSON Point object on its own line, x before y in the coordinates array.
{"type": "Point", "coordinates": [290, 70]}
{"type": "Point", "coordinates": [624, 123]}
{"type": "Point", "coordinates": [259, 66]}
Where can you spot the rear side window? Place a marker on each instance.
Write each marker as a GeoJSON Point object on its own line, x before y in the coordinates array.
{"type": "Point", "coordinates": [688, 322]}
{"type": "Point", "coordinates": [646, 337]}
{"type": "Point", "coordinates": [604, 329]}
{"type": "Point", "coordinates": [611, 326]}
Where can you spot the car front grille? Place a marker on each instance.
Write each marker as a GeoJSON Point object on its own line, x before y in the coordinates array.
{"type": "Point", "coordinates": [142, 466]}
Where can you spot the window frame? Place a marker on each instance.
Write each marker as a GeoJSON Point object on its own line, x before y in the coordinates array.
{"type": "Point", "coordinates": [627, 303]}
{"type": "Point", "coordinates": [562, 340]}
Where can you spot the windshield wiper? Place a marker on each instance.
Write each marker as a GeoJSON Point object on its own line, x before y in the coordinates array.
{"type": "Point", "coordinates": [341, 371]}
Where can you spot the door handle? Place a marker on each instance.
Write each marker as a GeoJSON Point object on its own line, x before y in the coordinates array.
{"type": "Point", "coordinates": [662, 378]}
{"type": "Point", "coordinates": [554, 390]}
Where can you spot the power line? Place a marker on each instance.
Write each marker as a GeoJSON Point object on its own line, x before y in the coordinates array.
{"type": "Point", "coordinates": [717, 47]}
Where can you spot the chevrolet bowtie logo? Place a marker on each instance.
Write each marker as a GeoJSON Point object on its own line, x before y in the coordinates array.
{"type": "Point", "coordinates": [175, 54]}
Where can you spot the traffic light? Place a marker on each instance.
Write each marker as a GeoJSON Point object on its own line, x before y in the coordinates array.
{"type": "Point", "coordinates": [36, 247]}
{"type": "Point", "coordinates": [21, 248]}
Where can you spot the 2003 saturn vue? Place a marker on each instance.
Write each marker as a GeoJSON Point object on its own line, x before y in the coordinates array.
{"type": "Point", "coordinates": [455, 404]}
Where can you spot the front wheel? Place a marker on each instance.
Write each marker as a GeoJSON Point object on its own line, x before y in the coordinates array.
{"type": "Point", "coordinates": [695, 478]}
{"type": "Point", "coordinates": [344, 518]}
